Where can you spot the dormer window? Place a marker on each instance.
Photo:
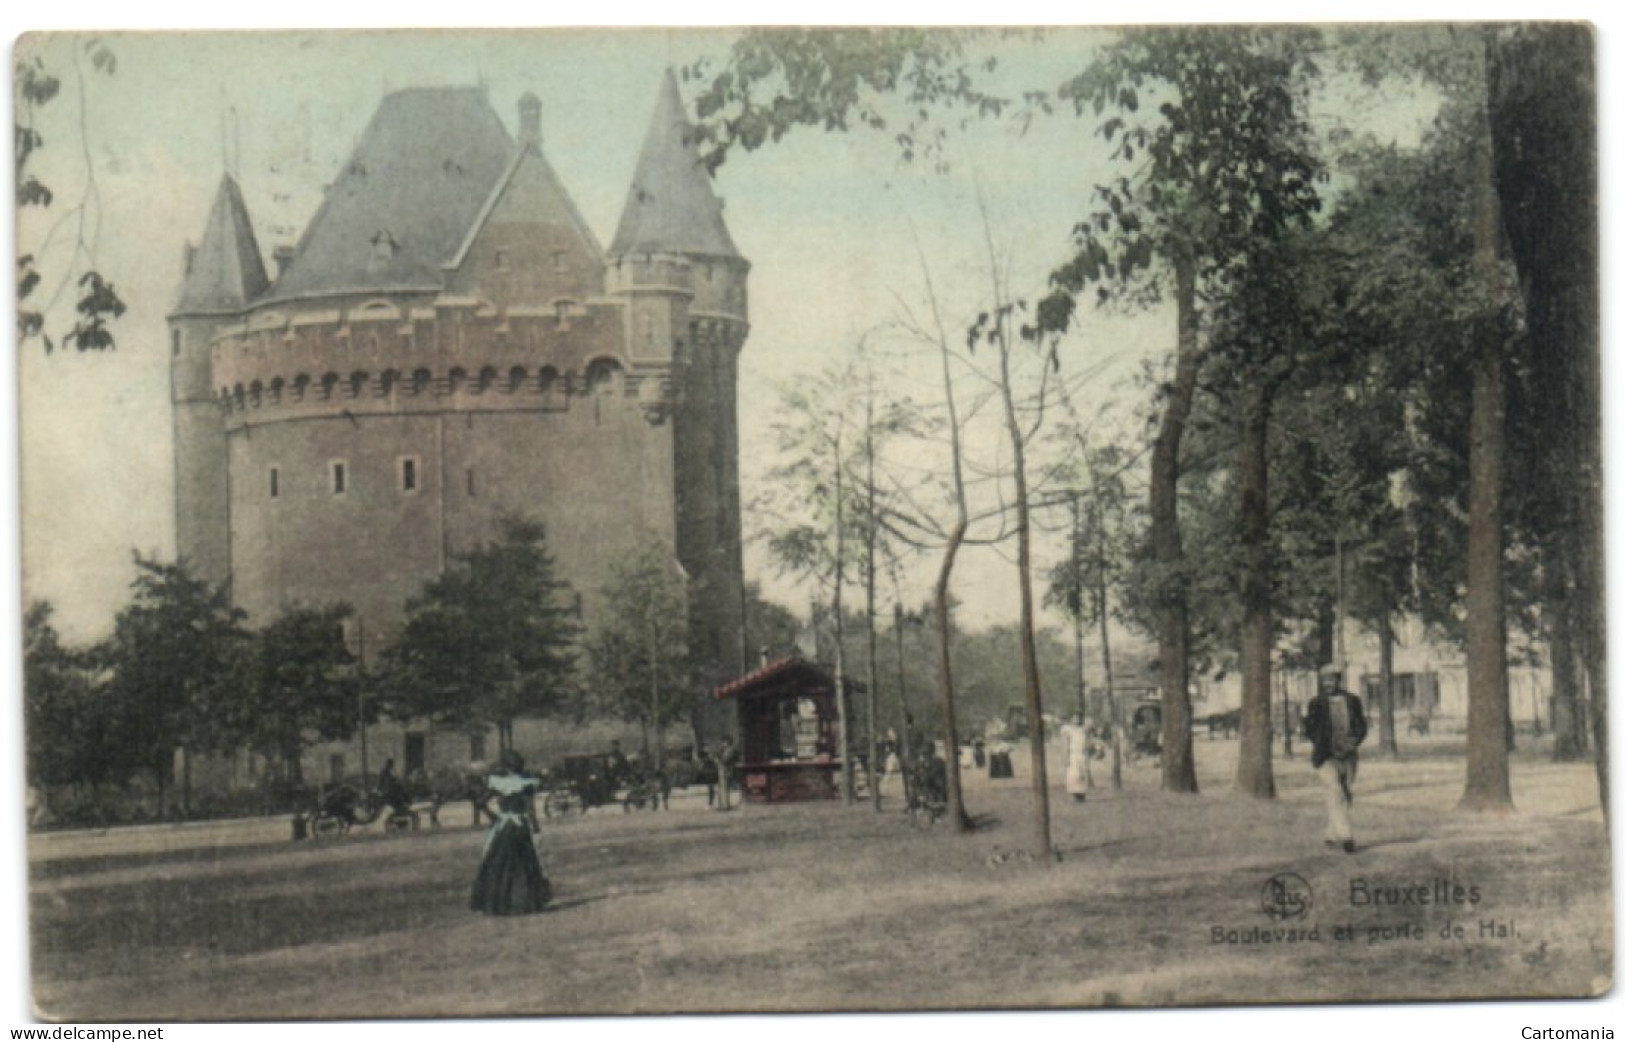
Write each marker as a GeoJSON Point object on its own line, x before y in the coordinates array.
{"type": "Point", "coordinates": [558, 262]}
{"type": "Point", "coordinates": [384, 245]}
{"type": "Point", "coordinates": [501, 260]}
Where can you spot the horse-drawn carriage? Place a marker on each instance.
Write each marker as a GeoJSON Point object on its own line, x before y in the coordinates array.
{"type": "Point", "coordinates": [336, 809]}
{"type": "Point", "coordinates": [579, 783]}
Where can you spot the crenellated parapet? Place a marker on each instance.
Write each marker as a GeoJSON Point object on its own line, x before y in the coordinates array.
{"type": "Point", "coordinates": [715, 330]}
{"type": "Point", "coordinates": [453, 354]}
{"type": "Point", "coordinates": [651, 273]}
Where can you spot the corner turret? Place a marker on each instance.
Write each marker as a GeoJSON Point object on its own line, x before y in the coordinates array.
{"type": "Point", "coordinates": [684, 281]}
{"type": "Point", "coordinates": [672, 212]}
{"type": "Point", "coordinates": [224, 273]}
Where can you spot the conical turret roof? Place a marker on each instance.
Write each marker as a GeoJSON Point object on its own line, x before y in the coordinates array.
{"type": "Point", "coordinates": [225, 271]}
{"type": "Point", "coordinates": [671, 207]}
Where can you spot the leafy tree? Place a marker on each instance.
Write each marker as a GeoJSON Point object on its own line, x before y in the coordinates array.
{"type": "Point", "coordinates": [638, 650]}
{"type": "Point", "coordinates": [770, 627]}
{"type": "Point", "coordinates": [1222, 170]}
{"type": "Point", "coordinates": [1543, 123]}
{"type": "Point", "coordinates": [488, 640]}
{"type": "Point", "coordinates": [999, 329]}
{"type": "Point", "coordinates": [302, 687]}
{"type": "Point", "coordinates": [72, 728]}
{"type": "Point", "coordinates": [1209, 122]}
{"type": "Point", "coordinates": [34, 86]}
{"type": "Point", "coordinates": [821, 498]}
{"type": "Point", "coordinates": [952, 541]}
{"type": "Point", "coordinates": [776, 80]}
{"type": "Point", "coordinates": [1084, 583]}
{"type": "Point", "coordinates": [175, 663]}
{"type": "Point", "coordinates": [1460, 62]}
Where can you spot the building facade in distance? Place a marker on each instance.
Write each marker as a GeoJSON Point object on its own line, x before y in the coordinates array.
{"type": "Point", "coordinates": [447, 344]}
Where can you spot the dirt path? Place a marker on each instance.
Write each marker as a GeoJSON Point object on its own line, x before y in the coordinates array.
{"type": "Point", "coordinates": [1157, 899]}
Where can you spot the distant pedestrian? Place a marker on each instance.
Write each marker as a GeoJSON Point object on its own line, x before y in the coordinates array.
{"type": "Point", "coordinates": [510, 879]}
{"type": "Point", "coordinates": [1078, 778]}
{"type": "Point", "coordinates": [391, 792]}
{"type": "Point", "coordinates": [1335, 725]}
{"type": "Point", "coordinates": [619, 766]}
{"type": "Point", "coordinates": [725, 759]}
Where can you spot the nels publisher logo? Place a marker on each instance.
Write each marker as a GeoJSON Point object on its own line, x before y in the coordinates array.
{"type": "Point", "coordinates": [1287, 896]}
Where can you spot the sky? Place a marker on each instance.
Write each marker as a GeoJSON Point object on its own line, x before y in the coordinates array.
{"type": "Point", "coordinates": [93, 438]}
{"type": "Point", "coordinates": [828, 221]}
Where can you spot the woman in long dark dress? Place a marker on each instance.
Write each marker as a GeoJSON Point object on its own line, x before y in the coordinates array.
{"type": "Point", "coordinates": [510, 880]}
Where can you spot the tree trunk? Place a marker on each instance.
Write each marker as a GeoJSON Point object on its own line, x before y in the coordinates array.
{"type": "Point", "coordinates": [1488, 785]}
{"type": "Point", "coordinates": [945, 679]}
{"type": "Point", "coordinates": [162, 772]}
{"type": "Point", "coordinates": [905, 756]}
{"type": "Point", "coordinates": [1387, 734]}
{"type": "Point", "coordinates": [956, 536]}
{"type": "Point", "coordinates": [1024, 574]}
{"type": "Point", "coordinates": [1255, 775]}
{"type": "Point", "coordinates": [873, 672]}
{"type": "Point", "coordinates": [1172, 612]}
{"type": "Point", "coordinates": [1106, 657]}
{"type": "Point", "coordinates": [1286, 714]}
{"type": "Point", "coordinates": [1568, 719]}
{"type": "Point", "coordinates": [1597, 673]}
{"type": "Point", "coordinates": [293, 767]}
{"type": "Point", "coordinates": [842, 699]}
{"type": "Point", "coordinates": [1543, 118]}
{"type": "Point", "coordinates": [654, 695]}
{"type": "Point", "coordinates": [1029, 652]}
{"type": "Point", "coordinates": [1076, 607]}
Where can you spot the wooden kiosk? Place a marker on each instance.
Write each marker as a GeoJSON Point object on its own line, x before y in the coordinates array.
{"type": "Point", "coordinates": [789, 726]}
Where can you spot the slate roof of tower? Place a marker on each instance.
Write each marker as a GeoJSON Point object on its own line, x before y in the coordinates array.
{"type": "Point", "coordinates": [671, 207]}
{"type": "Point", "coordinates": [404, 202]}
{"type": "Point", "coordinates": [530, 154]}
{"type": "Point", "coordinates": [226, 271]}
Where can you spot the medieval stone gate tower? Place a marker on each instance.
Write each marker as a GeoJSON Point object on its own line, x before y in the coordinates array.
{"type": "Point", "coordinates": [449, 343]}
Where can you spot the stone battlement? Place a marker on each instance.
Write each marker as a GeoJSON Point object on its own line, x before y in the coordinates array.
{"type": "Point", "coordinates": [305, 395]}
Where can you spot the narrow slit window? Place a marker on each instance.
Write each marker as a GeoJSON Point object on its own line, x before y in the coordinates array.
{"type": "Point", "coordinates": [470, 481]}
{"type": "Point", "coordinates": [276, 485]}
{"type": "Point", "coordinates": [409, 474]}
{"type": "Point", "coordinates": [340, 478]}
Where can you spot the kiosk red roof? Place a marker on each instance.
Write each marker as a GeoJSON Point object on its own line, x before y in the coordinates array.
{"type": "Point", "coordinates": [772, 677]}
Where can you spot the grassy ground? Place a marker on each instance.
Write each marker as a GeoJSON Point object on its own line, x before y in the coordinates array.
{"type": "Point", "coordinates": [821, 906]}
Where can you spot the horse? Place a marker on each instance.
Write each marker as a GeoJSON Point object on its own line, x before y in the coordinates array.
{"type": "Point", "coordinates": [1224, 725]}
{"type": "Point", "coordinates": [450, 783]}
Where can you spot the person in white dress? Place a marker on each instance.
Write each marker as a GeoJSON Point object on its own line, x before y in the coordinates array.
{"type": "Point", "coordinates": [1078, 778]}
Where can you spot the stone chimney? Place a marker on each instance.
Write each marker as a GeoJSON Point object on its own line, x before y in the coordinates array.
{"type": "Point", "coordinates": [530, 121]}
